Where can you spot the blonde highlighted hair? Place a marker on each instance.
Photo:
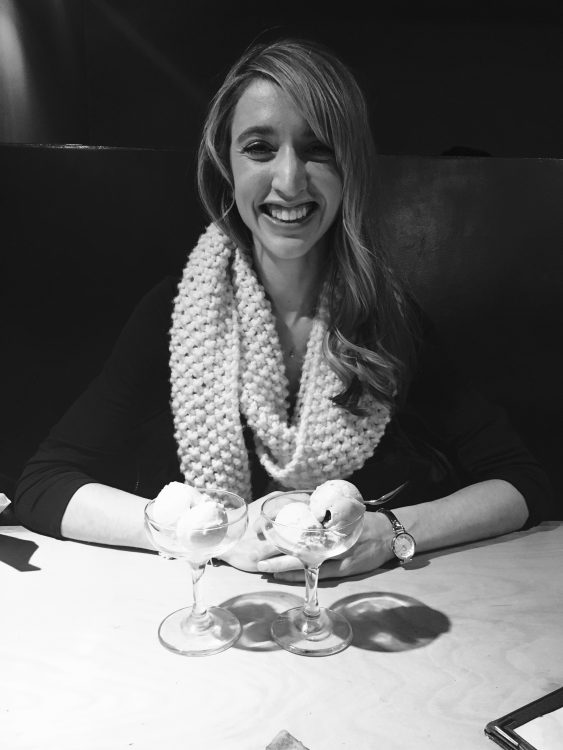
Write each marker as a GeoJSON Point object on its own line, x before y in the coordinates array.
{"type": "Point", "coordinates": [370, 339]}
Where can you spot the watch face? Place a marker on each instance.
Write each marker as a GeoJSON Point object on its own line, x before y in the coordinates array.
{"type": "Point", "coordinates": [404, 546]}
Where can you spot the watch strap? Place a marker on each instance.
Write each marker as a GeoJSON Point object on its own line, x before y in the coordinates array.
{"type": "Point", "coordinates": [398, 527]}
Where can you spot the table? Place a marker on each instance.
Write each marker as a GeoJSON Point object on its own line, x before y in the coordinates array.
{"type": "Point", "coordinates": [461, 637]}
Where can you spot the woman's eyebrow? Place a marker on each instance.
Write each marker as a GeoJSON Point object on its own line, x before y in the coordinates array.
{"type": "Point", "coordinates": [268, 130]}
{"type": "Point", "coordinates": [264, 130]}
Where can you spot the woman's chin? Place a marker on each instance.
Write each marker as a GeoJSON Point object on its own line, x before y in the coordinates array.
{"type": "Point", "coordinates": [288, 250]}
{"type": "Point", "coordinates": [287, 245]}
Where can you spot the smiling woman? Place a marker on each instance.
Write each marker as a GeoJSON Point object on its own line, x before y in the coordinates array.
{"type": "Point", "coordinates": [288, 353]}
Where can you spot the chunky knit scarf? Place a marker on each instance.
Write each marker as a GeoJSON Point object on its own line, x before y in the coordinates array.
{"type": "Point", "coordinates": [226, 360]}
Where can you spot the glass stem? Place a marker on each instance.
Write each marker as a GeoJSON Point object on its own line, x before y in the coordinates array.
{"type": "Point", "coordinates": [199, 610]}
{"type": "Point", "coordinates": [311, 608]}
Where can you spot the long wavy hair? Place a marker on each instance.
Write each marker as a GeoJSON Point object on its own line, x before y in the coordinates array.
{"type": "Point", "coordinates": [370, 341]}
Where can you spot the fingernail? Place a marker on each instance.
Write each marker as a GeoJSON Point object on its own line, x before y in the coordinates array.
{"type": "Point", "coordinates": [263, 567]}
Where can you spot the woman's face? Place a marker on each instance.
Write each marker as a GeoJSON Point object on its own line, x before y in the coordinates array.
{"type": "Point", "coordinates": [287, 188]}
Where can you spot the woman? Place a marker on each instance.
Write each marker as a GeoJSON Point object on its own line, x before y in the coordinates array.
{"type": "Point", "coordinates": [287, 355]}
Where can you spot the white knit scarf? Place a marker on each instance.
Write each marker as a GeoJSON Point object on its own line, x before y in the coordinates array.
{"type": "Point", "coordinates": [226, 360]}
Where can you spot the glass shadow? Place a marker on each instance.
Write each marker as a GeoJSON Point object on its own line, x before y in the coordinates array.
{"type": "Point", "coordinates": [383, 621]}
{"type": "Point", "coordinates": [256, 612]}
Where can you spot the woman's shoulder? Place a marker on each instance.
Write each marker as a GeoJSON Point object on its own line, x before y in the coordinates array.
{"type": "Point", "coordinates": [160, 297]}
{"type": "Point", "coordinates": [153, 311]}
{"type": "Point", "coordinates": [141, 348]}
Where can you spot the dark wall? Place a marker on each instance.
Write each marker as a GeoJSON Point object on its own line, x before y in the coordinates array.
{"type": "Point", "coordinates": [87, 231]}
{"type": "Point", "coordinates": [437, 74]}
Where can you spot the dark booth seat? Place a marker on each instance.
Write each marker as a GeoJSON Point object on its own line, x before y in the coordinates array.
{"type": "Point", "coordinates": [87, 231]}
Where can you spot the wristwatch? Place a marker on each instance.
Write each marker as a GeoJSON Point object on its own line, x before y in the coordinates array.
{"type": "Point", "coordinates": [402, 544]}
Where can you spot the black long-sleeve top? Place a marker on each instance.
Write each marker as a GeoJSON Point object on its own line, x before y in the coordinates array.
{"type": "Point", "coordinates": [120, 432]}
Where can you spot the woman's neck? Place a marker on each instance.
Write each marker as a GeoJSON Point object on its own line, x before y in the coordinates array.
{"type": "Point", "coordinates": [292, 285]}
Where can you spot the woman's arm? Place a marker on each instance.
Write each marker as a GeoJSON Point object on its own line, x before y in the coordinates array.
{"type": "Point", "coordinates": [105, 515]}
{"type": "Point", "coordinates": [96, 445]}
{"type": "Point", "coordinates": [479, 511]}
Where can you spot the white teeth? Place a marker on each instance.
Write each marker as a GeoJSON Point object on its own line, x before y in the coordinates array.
{"type": "Point", "coordinates": [289, 214]}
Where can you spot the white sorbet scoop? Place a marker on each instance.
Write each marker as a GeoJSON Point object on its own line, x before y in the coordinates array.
{"type": "Point", "coordinates": [173, 500]}
{"type": "Point", "coordinates": [336, 503]}
{"type": "Point", "coordinates": [203, 526]}
{"type": "Point", "coordinates": [295, 518]}
{"type": "Point", "coordinates": [299, 515]}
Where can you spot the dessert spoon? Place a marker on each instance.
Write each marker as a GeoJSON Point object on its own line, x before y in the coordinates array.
{"type": "Point", "coordinates": [387, 496]}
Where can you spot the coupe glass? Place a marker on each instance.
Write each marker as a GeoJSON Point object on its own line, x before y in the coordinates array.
{"type": "Point", "coordinates": [197, 630]}
{"type": "Point", "coordinates": [310, 630]}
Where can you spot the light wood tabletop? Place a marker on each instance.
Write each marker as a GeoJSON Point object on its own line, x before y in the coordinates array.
{"type": "Point", "coordinates": [459, 638]}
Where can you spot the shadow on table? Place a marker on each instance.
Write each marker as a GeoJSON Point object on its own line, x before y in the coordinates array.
{"type": "Point", "coordinates": [17, 552]}
{"type": "Point", "coordinates": [256, 612]}
{"type": "Point", "coordinates": [391, 622]}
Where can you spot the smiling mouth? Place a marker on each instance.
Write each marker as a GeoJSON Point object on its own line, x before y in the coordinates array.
{"type": "Point", "coordinates": [294, 215]}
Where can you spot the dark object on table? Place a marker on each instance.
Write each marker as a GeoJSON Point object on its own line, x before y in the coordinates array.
{"type": "Point", "coordinates": [285, 741]}
{"type": "Point", "coordinates": [17, 553]}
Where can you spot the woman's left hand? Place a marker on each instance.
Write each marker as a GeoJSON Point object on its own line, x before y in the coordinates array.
{"type": "Point", "coordinates": [372, 550]}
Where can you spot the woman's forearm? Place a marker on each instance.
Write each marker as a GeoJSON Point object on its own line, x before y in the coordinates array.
{"type": "Point", "coordinates": [105, 515]}
{"type": "Point", "coordinates": [479, 511]}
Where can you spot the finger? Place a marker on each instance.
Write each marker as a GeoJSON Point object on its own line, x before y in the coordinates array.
{"type": "Point", "coordinates": [279, 564]}
{"type": "Point", "coordinates": [290, 576]}
{"type": "Point", "coordinates": [248, 559]}
{"type": "Point", "coordinates": [332, 569]}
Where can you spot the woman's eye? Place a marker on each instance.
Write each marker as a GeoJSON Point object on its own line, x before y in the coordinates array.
{"type": "Point", "coordinates": [320, 151]}
{"type": "Point", "coordinates": [258, 150]}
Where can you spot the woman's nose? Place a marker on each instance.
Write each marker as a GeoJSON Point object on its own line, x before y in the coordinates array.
{"type": "Point", "coordinates": [290, 175]}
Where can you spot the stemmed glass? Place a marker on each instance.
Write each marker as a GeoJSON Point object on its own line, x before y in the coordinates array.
{"type": "Point", "coordinates": [309, 630]}
{"type": "Point", "coordinates": [197, 630]}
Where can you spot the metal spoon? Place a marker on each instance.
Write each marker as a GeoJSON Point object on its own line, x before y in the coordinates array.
{"type": "Point", "coordinates": [387, 496]}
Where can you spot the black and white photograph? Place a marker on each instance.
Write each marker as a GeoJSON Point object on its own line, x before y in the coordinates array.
{"type": "Point", "coordinates": [280, 397]}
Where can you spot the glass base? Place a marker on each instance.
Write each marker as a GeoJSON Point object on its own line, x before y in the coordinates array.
{"type": "Point", "coordinates": [326, 634]}
{"type": "Point", "coordinates": [205, 635]}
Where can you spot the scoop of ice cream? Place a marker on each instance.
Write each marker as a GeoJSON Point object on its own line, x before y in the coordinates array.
{"type": "Point", "coordinates": [173, 500]}
{"type": "Point", "coordinates": [338, 487]}
{"type": "Point", "coordinates": [336, 503]}
{"type": "Point", "coordinates": [202, 527]}
{"type": "Point", "coordinates": [299, 515]}
{"type": "Point", "coordinates": [294, 519]}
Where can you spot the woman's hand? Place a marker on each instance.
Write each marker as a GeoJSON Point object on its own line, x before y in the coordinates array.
{"type": "Point", "coordinates": [249, 551]}
{"type": "Point", "coordinates": [372, 550]}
